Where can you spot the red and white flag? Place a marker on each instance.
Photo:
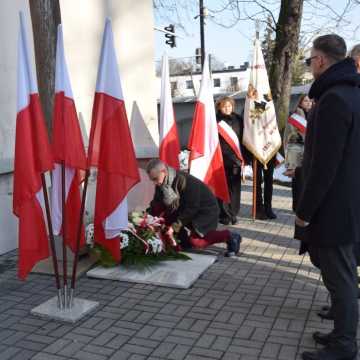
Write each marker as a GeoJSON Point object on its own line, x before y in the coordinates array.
{"type": "Point", "coordinates": [206, 161]}
{"type": "Point", "coordinates": [298, 121]}
{"type": "Point", "coordinates": [111, 150]}
{"type": "Point", "coordinates": [68, 148]}
{"type": "Point", "coordinates": [32, 158]}
{"type": "Point", "coordinates": [261, 133]}
{"type": "Point", "coordinates": [169, 140]}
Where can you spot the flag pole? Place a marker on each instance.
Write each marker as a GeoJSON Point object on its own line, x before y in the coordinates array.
{"type": "Point", "coordinates": [63, 201]}
{"type": "Point", "coordinates": [255, 169]}
{"type": "Point", "coordinates": [81, 221]}
{"type": "Point", "coordinates": [52, 242]}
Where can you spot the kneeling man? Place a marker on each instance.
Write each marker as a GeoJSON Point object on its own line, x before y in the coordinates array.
{"type": "Point", "coordinates": [189, 208]}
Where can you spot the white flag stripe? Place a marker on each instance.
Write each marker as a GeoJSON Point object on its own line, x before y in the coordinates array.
{"type": "Point", "coordinates": [56, 194]}
{"type": "Point", "coordinates": [166, 107]}
{"type": "Point", "coordinates": [199, 166]}
{"type": "Point", "coordinates": [62, 80]}
{"type": "Point", "coordinates": [301, 120]}
{"type": "Point", "coordinates": [26, 81]}
{"type": "Point", "coordinates": [117, 220]}
{"type": "Point", "coordinates": [231, 133]}
{"type": "Point", "coordinates": [108, 79]}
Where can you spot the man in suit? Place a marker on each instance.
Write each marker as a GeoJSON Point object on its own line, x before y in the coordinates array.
{"type": "Point", "coordinates": [328, 211]}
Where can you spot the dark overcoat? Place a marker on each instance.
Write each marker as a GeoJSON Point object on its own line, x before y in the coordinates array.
{"type": "Point", "coordinates": [330, 196]}
{"type": "Point", "coordinates": [198, 208]}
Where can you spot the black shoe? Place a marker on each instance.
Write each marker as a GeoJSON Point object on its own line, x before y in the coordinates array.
{"type": "Point", "coordinates": [270, 214]}
{"type": "Point", "coordinates": [326, 314]}
{"type": "Point", "coordinates": [233, 245]}
{"type": "Point", "coordinates": [234, 220]}
{"type": "Point", "coordinates": [323, 338]}
{"type": "Point", "coordinates": [224, 221]}
{"type": "Point", "coordinates": [260, 215]}
{"type": "Point", "coordinates": [329, 353]}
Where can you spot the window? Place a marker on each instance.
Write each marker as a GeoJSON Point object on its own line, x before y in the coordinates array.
{"type": "Point", "coordinates": [233, 81]}
{"type": "Point", "coordinates": [217, 83]}
{"type": "Point", "coordinates": [173, 85]}
{"type": "Point", "coordinates": [189, 84]}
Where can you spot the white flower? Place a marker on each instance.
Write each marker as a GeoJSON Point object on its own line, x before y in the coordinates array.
{"type": "Point", "coordinates": [89, 235]}
{"type": "Point", "coordinates": [156, 245]}
{"type": "Point", "coordinates": [124, 240]}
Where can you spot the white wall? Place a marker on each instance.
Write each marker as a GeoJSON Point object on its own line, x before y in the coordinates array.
{"type": "Point", "coordinates": [83, 24]}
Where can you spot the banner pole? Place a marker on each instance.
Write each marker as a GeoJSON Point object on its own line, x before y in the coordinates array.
{"type": "Point", "coordinates": [255, 169]}
{"type": "Point", "coordinates": [63, 200]}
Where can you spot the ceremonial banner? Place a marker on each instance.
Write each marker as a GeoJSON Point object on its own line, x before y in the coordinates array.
{"type": "Point", "coordinates": [68, 149]}
{"type": "Point", "coordinates": [32, 158]}
{"type": "Point", "coordinates": [206, 161]}
{"type": "Point", "coordinates": [111, 150]}
{"type": "Point", "coordinates": [261, 134]}
{"type": "Point", "coordinates": [169, 140]}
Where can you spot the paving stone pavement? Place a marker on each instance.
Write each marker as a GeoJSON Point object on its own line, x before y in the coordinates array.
{"type": "Point", "coordinates": [259, 305]}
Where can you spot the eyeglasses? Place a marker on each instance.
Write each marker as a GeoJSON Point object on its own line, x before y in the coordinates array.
{"type": "Point", "coordinates": [308, 60]}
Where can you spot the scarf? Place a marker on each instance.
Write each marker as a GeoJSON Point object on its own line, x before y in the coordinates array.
{"type": "Point", "coordinates": [171, 188]}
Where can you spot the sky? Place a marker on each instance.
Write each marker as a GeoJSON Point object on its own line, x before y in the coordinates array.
{"type": "Point", "coordinates": [233, 45]}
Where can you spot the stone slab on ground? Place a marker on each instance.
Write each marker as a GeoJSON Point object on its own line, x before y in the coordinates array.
{"type": "Point", "coordinates": [176, 273]}
{"type": "Point", "coordinates": [50, 310]}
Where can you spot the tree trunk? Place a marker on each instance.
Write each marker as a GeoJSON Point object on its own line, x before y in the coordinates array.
{"type": "Point", "coordinates": [286, 47]}
{"type": "Point", "coordinates": [45, 17]}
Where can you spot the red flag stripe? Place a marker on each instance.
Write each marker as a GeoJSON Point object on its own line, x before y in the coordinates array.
{"type": "Point", "coordinates": [229, 135]}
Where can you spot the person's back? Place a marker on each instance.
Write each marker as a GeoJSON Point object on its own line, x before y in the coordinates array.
{"type": "Point", "coordinates": [328, 210]}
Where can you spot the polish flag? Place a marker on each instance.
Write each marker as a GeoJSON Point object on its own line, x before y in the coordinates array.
{"type": "Point", "coordinates": [68, 149]}
{"type": "Point", "coordinates": [169, 140]}
{"type": "Point", "coordinates": [111, 150]}
{"type": "Point", "coordinates": [206, 161]}
{"type": "Point", "coordinates": [32, 158]}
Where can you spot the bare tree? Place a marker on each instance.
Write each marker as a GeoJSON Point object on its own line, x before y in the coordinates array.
{"type": "Point", "coordinates": [294, 22]}
{"type": "Point", "coordinates": [45, 17]}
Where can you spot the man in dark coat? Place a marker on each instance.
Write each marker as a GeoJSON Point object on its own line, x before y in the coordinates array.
{"type": "Point", "coordinates": [328, 211]}
{"type": "Point", "coordinates": [189, 208]}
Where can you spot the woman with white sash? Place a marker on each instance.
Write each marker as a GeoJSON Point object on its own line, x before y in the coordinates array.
{"type": "Point", "coordinates": [230, 127]}
{"type": "Point", "coordinates": [294, 138]}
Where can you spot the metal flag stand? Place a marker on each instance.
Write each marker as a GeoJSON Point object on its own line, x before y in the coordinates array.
{"type": "Point", "coordinates": [65, 307]}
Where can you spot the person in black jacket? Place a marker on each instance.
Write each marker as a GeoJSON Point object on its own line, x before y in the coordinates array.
{"type": "Point", "coordinates": [189, 207]}
{"type": "Point", "coordinates": [233, 159]}
{"type": "Point", "coordinates": [328, 211]}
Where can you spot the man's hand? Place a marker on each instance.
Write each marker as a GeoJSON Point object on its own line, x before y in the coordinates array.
{"type": "Point", "coordinates": [300, 222]}
{"type": "Point", "coordinates": [176, 226]}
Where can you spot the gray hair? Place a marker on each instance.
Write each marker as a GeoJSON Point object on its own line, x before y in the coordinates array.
{"type": "Point", "coordinates": [355, 51]}
{"type": "Point", "coordinates": [155, 164]}
{"type": "Point", "coordinates": [332, 45]}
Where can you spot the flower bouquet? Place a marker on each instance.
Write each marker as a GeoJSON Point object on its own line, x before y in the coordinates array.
{"type": "Point", "coordinates": [146, 242]}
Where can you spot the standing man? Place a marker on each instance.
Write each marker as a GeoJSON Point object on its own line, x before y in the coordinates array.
{"type": "Point", "coordinates": [328, 211]}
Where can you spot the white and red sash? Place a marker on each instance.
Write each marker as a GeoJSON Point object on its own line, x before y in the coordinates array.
{"type": "Point", "coordinates": [299, 122]}
{"type": "Point", "coordinates": [229, 135]}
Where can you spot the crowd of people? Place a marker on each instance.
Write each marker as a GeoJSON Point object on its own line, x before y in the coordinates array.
{"type": "Point", "coordinates": [322, 145]}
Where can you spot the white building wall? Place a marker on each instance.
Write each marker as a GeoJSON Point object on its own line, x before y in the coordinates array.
{"type": "Point", "coordinates": [83, 24]}
{"type": "Point", "coordinates": [225, 83]}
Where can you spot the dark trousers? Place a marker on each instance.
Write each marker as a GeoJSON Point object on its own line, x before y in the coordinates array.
{"type": "Point", "coordinates": [230, 211]}
{"type": "Point", "coordinates": [267, 176]}
{"type": "Point", "coordinates": [338, 271]}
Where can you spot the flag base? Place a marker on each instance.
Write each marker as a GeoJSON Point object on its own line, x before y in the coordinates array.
{"type": "Point", "coordinates": [51, 310]}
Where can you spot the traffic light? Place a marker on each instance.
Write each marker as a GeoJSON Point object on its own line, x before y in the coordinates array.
{"type": "Point", "coordinates": [171, 38]}
{"type": "Point", "coordinates": [198, 56]}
